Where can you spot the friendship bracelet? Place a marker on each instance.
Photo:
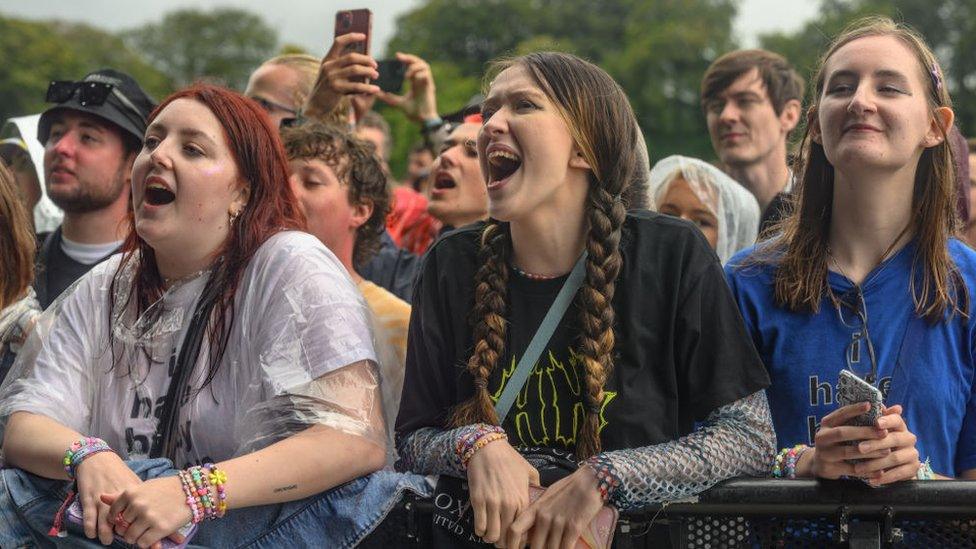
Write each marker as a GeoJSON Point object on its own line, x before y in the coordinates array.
{"type": "Point", "coordinates": [81, 450]}
{"type": "Point", "coordinates": [217, 479]}
{"type": "Point", "coordinates": [473, 439]}
{"type": "Point", "coordinates": [202, 489]}
{"type": "Point", "coordinates": [607, 479]}
{"type": "Point", "coordinates": [191, 499]}
{"type": "Point", "coordinates": [786, 460]}
{"type": "Point", "coordinates": [479, 444]}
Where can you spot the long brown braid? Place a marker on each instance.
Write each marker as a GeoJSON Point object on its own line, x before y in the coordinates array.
{"type": "Point", "coordinates": [488, 316]}
{"type": "Point", "coordinates": [605, 131]}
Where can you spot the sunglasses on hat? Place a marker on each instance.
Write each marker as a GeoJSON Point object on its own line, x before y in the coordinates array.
{"type": "Point", "coordinates": [89, 94]}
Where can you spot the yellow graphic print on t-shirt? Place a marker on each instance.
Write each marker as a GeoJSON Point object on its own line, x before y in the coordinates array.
{"type": "Point", "coordinates": [549, 408]}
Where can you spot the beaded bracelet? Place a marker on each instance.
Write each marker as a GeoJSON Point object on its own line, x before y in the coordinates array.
{"type": "Point", "coordinates": [204, 503]}
{"type": "Point", "coordinates": [217, 479]}
{"type": "Point", "coordinates": [475, 439]}
{"type": "Point", "coordinates": [607, 480]}
{"type": "Point", "coordinates": [81, 450]}
{"type": "Point", "coordinates": [479, 444]}
{"type": "Point", "coordinates": [925, 471]}
{"type": "Point", "coordinates": [786, 460]}
{"type": "Point", "coordinates": [191, 498]}
{"type": "Point", "coordinates": [202, 488]}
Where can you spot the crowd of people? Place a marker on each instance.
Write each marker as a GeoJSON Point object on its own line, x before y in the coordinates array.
{"type": "Point", "coordinates": [223, 322]}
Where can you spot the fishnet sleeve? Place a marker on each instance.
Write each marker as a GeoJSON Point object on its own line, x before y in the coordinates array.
{"type": "Point", "coordinates": [736, 439]}
{"type": "Point", "coordinates": [432, 451]}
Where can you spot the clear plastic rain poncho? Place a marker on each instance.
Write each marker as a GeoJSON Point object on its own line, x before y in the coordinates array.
{"type": "Point", "coordinates": [734, 207]}
{"type": "Point", "coordinates": [300, 353]}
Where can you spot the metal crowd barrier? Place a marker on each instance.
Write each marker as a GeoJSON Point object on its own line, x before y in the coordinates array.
{"type": "Point", "coordinates": [790, 513]}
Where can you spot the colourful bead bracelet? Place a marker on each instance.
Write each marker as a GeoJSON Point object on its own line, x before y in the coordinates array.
{"type": "Point", "coordinates": [205, 493]}
{"type": "Point", "coordinates": [475, 439]}
{"type": "Point", "coordinates": [81, 450]}
{"type": "Point", "coordinates": [786, 460]}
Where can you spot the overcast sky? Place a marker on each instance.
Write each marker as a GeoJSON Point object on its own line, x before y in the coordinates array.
{"type": "Point", "coordinates": [309, 23]}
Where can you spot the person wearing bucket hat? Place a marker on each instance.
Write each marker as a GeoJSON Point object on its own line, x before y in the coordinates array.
{"type": "Point", "coordinates": [91, 135]}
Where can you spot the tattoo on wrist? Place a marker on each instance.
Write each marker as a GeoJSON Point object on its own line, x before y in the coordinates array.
{"type": "Point", "coordinates": [285, 488]}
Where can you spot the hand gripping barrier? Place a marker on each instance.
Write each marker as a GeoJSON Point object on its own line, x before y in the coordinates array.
{"type": "Point", "coordinates": [785, 513]}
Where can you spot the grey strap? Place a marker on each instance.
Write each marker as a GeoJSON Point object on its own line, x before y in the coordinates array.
{"type": "Point", "coordinates": [541, 338]}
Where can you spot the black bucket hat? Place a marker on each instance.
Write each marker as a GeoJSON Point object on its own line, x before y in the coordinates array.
{"type": "Point", "coordinates": [108, 94]}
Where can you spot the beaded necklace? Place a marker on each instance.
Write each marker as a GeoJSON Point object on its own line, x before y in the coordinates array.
{"type": "Point", "coordinates": [532, 276]}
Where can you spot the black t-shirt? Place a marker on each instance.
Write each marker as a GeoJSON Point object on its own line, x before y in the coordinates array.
{"type": "Point", "coordinates": [681, 347]}
{"type": "Point", "coordinates": [55, 271]}
{"type": "Point", "coordinates": [778, 209]}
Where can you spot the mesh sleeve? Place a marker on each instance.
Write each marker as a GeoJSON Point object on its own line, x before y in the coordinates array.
{"type": "Point", "coordinates": [432, 451]}
{"type": "Point", "coordinates": [736, 439]}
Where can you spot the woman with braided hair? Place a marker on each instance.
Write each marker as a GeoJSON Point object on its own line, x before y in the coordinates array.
{"type": "Point", "coordinates": [651, 344]}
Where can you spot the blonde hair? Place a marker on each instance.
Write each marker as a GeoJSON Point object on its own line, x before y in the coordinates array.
{"type": "Point", "coordinates": [307, 67]}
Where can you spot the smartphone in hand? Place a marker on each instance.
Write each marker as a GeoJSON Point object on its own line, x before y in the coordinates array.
{"type": "Point", "coordinates": [391, 75]}
{"type": "Point", "coordinates": [851, 389]}
{"type": "Point", "coordinates": [178, 540]}
{"type": "Point", "coordinates": [349, 21]}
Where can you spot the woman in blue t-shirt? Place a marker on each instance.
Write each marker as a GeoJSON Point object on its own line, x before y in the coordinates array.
{"type": "Point", "coordinates": [865, 275]}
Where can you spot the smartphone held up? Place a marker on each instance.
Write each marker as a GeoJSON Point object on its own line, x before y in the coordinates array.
{"type": "Point", "coordinates": [355, 21]}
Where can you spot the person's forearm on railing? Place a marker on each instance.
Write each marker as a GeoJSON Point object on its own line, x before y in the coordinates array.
{"type": "Point", "coordinates": [735, 440]}
{"type": "Point", "coordinates": [432, 451]}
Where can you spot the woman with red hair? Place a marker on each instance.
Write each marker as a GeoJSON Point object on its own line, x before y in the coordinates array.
{"type": "Point", "coordinates": [222, 340]}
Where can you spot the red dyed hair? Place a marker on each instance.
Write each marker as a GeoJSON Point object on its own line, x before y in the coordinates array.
{"type": "Point", "coordinates": [261, 161]}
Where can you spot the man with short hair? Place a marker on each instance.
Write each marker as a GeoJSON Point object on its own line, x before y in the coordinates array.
{"type": "Point", "coordinates": [343, 192]}
{"type": "Point", "coordinates": [752, 101]}
{"type": "Point", "coordinates": [457, 194]}
{"type": "Point", "coordinates": [91, 137]}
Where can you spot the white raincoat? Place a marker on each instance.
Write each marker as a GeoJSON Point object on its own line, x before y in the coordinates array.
{"type": "Point", "coordinates": [300, 353]}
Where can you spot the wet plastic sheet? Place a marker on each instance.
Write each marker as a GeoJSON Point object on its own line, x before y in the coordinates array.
{"type": "Point", "coordinates": [735, 208]}
{"type": "Point", "coordinates": [300, 353]}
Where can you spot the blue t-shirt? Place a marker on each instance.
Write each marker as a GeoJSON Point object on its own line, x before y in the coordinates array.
{"type": "Point", "coordinates": [928, 369]}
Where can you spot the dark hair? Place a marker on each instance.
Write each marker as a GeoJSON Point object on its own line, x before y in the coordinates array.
{"type": "Point", "coordinates": [17, 242]}
{"type": "Point", "coordinates": [781, 81]}
{"type": "Point", "coordinates": [356, 167]}
{"type": "Point", "coordinates": [271, 208]}
{"type": "Point", "coordinates": [604, 128]}
{"type": "Point", "coordinates": [801, 251]}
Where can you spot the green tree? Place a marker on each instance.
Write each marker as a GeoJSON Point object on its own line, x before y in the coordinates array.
{"type": "Point", "coordinates": [667, 46]}
{"type": "Point", "coordinates": [223, 45]}
{"type": "Point", "coordinates": [656, 49]}
{"type": "Point", "coordinates": [36, 52]}
{"type": "Point", "coordinates": [465, 33]}
{"type": "Point", "coordinates": [949, 27]}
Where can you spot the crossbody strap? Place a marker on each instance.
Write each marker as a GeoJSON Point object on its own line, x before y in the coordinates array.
{"type": "Point", "coordinates": [541, 338]}
{"type": "Point", "coordinates": [164, 440]}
